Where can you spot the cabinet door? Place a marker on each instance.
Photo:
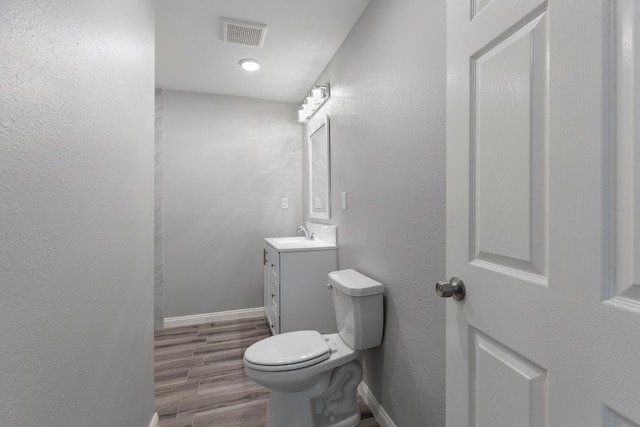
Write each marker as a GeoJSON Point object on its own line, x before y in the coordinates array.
{"type": "Point", "coordinates": [305, 301]}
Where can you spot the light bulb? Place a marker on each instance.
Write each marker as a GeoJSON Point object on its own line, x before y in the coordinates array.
{"type": "Point", "coordinates": [250, 64]}
{"type": "Point", "coordinates": [307, 107]}
{"type": "Point", "coordinates": [318, 93]}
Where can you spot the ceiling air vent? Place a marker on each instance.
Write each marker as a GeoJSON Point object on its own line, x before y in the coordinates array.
{"type": "Point", "coordinates": [243, 32]}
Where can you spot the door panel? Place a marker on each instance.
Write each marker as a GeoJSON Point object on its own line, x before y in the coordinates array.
{"type": "Point", "coordinates": [543, 213]}
{"type": "Point", "coordinates": [507, 389]}
{"type": "Point", "coordinates": [614, 420]}
{"type": "Point", "coordinates": [508, 87]}
{"type": "Point", "coordinates": [625, 289]}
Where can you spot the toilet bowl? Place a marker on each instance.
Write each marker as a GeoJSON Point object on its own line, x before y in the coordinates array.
{"type": "Point", "coordinates": [313, 378]}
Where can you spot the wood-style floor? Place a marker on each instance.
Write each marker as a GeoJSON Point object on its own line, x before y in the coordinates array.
{"type": "Point", "coordinates": [200, 379]}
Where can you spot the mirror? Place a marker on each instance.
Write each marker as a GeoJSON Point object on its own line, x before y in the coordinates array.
{"type": "Point", "coordinates": [319, 185]}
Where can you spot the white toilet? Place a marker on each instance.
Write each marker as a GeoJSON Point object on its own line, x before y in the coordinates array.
{"type": "Point", "coordinates": [313, 378]}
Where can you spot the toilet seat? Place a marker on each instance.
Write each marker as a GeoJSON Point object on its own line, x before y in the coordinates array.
{"type": "Point", "coordinates": [288, 351]}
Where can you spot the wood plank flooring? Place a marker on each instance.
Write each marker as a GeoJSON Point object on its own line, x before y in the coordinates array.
{"type": "Point", "coordinates": [200, 379]}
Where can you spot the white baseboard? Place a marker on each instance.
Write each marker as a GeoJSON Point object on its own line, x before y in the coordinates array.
{"type": "Point", "coordinates": [378, 411]}
{"type": "Point", "coordinates": [155, 421]}
{"type": "Point", "coordinates": [195, 319]}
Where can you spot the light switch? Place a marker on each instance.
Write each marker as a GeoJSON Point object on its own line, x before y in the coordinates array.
{"type": "Point", "coordinates": [285, 203]}
{"type": "Point", "coordinates": [343, 200]}
{"type": "Point", "coordinates": [318, 203]}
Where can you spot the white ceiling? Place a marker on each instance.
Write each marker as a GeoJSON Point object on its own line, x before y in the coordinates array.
{"type": "Point", "coordinates": [302, 36]}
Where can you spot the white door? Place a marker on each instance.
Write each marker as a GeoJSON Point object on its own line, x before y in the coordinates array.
{"type": "Point", "coordinates": [543, 213]}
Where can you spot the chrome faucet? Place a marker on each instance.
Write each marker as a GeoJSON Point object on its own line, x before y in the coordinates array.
{"type": "Point", "coordinates": [307, 234]}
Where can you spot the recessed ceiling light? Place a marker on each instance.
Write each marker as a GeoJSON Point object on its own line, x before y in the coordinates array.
{"type": "Point", "coordinates": [250, 64]}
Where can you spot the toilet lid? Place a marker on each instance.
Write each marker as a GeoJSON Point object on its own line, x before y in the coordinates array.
{"type": "Point", "coordinates": [288, 351]}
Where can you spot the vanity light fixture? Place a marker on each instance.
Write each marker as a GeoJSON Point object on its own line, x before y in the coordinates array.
{"type": "Point", "coordinates": [312, 103]}
{"type": "Point", "coordinates": [249, 64]}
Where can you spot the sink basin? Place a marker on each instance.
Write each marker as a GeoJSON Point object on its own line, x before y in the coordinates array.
{"type": "Point", "coordinates": [297, 243]}
{"type": "Point", "coordinates": [290, 240]}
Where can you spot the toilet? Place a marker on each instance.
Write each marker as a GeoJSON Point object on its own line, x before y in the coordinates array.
{"type": "Point", "coordinates": [313, 378]}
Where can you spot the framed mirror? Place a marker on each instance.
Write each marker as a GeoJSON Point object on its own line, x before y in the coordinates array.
{"type": "Point", "coordinates": [319, 169]}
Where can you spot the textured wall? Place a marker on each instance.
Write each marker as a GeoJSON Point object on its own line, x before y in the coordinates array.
{"type": "Point", "coordinates": [158, 244]}
{"type": "Point", "coordinates": [227, 163]}
{"type": "Point", "coordinates": [387, 111]}
{"type": "Point", "coordinates": [76, 217]}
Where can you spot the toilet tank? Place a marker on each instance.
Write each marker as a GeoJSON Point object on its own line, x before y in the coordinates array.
{"type": "Point", "coordinates": [357, 301]}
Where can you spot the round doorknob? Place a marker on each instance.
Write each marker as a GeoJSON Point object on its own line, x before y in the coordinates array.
{"type": "Point", "coordinates": [451, 288]}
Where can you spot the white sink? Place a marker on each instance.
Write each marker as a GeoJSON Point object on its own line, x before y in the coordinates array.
{"type": "Point", "coordinates": [297, 243]}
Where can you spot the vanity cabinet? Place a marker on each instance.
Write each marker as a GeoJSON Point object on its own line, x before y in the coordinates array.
{"type": "Point", "coordinates": [296, 295]}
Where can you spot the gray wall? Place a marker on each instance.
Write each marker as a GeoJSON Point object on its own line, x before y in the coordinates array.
{"type": "Point", "coordinates": [387, 112]}
{"type": "Point", "coordinates": [158, 243]}
{"type": "Point", "coordinates": [227, 162]}
{"type": "Point", "coordinates": [76, 218]}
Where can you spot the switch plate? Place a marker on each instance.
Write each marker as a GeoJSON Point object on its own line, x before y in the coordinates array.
{"type": "Point", "coordinates": [343, 200]}
{"type": "Point", "coordinates": [285, 203]}
{"type": "Point", "coordinates": [318, 203]}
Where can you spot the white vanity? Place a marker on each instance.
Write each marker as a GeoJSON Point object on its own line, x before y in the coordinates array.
{"type": "Point", "coordinates": [296, 296]}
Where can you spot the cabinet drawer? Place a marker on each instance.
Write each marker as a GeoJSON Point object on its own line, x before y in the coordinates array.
{"type": "Point", "coordinates": [274, 296]}
{"type": "Point", "coordinates": [274, 265]}
{"type": "Point", "coordinates": [274, 320]}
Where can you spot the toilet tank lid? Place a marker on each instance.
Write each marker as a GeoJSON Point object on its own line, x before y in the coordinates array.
{"type": "Point", "coordinates": [355, 284]}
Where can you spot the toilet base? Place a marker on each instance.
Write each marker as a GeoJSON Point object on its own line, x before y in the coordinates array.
{"type": "Point", "coordinates": [341, 421]}
{"type": "Point", "coordinates": [299, 413]}
{"type": "Point", "coordinates": [289, 410]}
{"type": "Point", "coordinates": [333, 402]}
